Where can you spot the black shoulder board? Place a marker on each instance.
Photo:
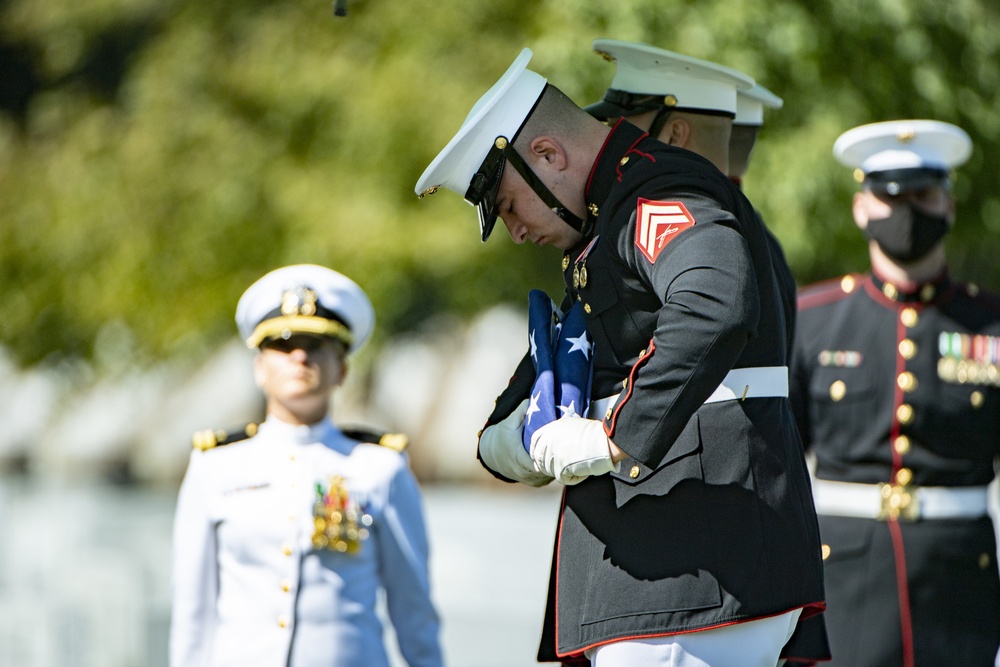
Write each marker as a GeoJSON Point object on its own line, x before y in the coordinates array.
{"type": "Point", "coordinates": [395, 441]}
{"type": "Point", "coordinates": [209, 438]}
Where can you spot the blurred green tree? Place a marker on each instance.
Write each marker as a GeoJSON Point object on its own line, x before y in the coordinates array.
{"type": "Point", "coordinates": [156, 157]}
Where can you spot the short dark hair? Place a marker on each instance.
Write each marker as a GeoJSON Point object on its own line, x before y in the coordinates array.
{"type": "Point", "coordinates": [555, 114]}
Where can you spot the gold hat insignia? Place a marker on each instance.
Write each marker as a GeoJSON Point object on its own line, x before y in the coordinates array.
{"type": "Point", "coordinates": [298, 301]}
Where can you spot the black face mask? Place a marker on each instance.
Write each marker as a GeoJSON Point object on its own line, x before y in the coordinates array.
{"type": "Point", "coordinates": [908, 234]}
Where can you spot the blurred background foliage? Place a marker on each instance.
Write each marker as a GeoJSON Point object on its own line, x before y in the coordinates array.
{"type": "Point", "coordinates": [157, 156]}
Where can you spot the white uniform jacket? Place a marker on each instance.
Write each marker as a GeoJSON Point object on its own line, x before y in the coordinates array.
{"type": "Point", "coordinates": [249, 587]}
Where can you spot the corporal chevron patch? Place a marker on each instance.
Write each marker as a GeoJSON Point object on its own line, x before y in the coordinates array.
{"type": "Point", "coordinates": [658, 223]}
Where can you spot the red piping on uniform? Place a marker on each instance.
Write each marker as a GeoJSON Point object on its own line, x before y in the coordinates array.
{"type": "Point", "coordinates": [877, 296]}
{"type": "Point", "coordinates": [911, 286]}
{"type": "Point", "coordinates": [593, 168]}
{"type": "Point", "coordinates": [824, 293]}
{"type": "Point", "coordinates": [631, 149]}
{"type": "Point", "coordinates": [562, 513]}
{"type": "Point", "coordinates": [804, 661]}
{"type": "Point", "coordinates": [682, 632]}
{"type": "Point", "coordinates": [590, 179]}
{"type": "Point", "coordinates": [610, 428]}
{"type": "Point", "coordinates": [898, 550]}
{"type": "Point", "coordinates": [905, 621]}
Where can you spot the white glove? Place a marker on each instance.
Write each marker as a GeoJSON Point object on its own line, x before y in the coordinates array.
{"type": "Point", "coordinates": [571, 449]}
{"type": "Point", "coordinates": [501, 450]}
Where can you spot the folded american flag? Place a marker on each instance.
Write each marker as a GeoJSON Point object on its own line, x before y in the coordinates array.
{"type": "Point", "coordinates": [561, 353]}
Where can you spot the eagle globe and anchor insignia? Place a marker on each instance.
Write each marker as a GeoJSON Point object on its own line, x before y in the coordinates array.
{"type": "Point", "coordinates": [341, 523]}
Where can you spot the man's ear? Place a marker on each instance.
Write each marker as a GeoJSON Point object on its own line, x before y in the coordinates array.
{"type": "Point", "coordinates": [549, 150]}
{"type": "Point", "coordinates": [677, 132]}
{"type": "Point", "coordinates": [859, 208]}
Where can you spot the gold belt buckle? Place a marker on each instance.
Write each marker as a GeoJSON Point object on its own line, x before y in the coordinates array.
{"type": "Point", "coordinates": [899, 503]}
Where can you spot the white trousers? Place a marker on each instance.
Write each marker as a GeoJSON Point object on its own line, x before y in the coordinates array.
{"type": "Point", "coordinates": [751, 644]}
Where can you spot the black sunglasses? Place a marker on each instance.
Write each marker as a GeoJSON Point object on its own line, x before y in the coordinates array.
{"type": "Point", "coordinates": [305, 342]}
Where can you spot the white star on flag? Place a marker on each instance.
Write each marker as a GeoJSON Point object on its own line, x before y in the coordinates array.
{"type": "Point", "coordinates": [569, 410]}
{"type": "Point", "coordinates": [580, 343]}
{"type": "Point", "coordinates": [534, 346]}
{"type": "Point", "coordinates": [532, 407]}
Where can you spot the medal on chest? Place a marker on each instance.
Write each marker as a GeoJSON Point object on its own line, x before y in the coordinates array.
{"type": "Point", "coordinates": [969, 358]}
{"type": "Point", "coordinates": [580, 265]}
{"type": "Point", "coordinates": [341, 523]}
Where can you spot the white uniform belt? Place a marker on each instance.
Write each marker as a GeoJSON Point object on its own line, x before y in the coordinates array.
{"type": "Point", "coordinates": [882, 501]}
{"type": "Point", "coordinates": [599, 408]}
{"type": "Point", "coordinates": [758, 382]}
{"type": "Point", "coordinates": [739, 383]}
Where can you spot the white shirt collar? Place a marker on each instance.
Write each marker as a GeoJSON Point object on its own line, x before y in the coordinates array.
{"type": "Point", "coordinates": [300, 434]}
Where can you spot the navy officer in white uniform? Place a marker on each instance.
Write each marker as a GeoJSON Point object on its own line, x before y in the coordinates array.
{"type": "Point", "coordinates": [283, 539]}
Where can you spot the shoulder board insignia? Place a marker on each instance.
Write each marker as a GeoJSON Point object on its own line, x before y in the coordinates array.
{"type": "Point", "coordinates": [210, 438]}
{"type": "Point", "coordinates": [394, 441]}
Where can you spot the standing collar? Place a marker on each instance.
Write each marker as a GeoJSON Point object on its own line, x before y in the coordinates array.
{"type": "Point", "coordinates": [606, 172]}
{"type": "Point", "coordinates": [912, 291]}
{"type": "Point", "coordinates": [275, 429]}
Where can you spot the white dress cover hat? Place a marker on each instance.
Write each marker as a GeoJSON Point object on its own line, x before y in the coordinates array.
{"type": "Point", "coordinates": [750, 105]}
{"type": "Point", "coordinates": [305, 298]}
{"type": "Point", "coordinates": [647, 77]}
{"type": "Point", "coordinates": [499, 113]}
{"type": "Point", "coordinates": [903, 154]}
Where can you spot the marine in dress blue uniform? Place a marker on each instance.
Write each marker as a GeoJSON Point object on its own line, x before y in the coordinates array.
{"type": "Point", "coordinates": [687, 505]}
{"type": "Point", "coordinates": [749, 119]}
{"type": "Point", "coordinates": [285, 533]}
{"type": "Point", "coordinates": [750, 105]}
{"type": "Point", "coordinates": [687, 102]}
{"type": "Point", "coordinates": [674, 98]}
{"type": "Point", "coordinates": [809, 644]}
{"type": "Point", "coordinates": [896, 389]}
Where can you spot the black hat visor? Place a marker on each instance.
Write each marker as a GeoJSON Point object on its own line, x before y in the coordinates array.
{"type": "Point", "coordinates": [485, 185]}
{"type": "Point", "coordinates": [894, 182]}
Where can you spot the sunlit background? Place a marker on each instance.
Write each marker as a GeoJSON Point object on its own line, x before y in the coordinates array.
{"type": "Point", "coordinates": [157, 156]}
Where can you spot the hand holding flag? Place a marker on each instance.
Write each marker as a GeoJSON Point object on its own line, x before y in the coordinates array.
{"type": "Point", "coordinates": [561, 353]}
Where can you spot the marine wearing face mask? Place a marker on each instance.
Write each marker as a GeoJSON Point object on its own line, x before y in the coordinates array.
{"type": "Point", "coordinates": [918, 218]}
{"type": "Point", "coordinates": [905, 206]}
{"type": "Point", "coordinates": [895, 387]}
{"type": "Point", "coordinates": [908, 233]}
